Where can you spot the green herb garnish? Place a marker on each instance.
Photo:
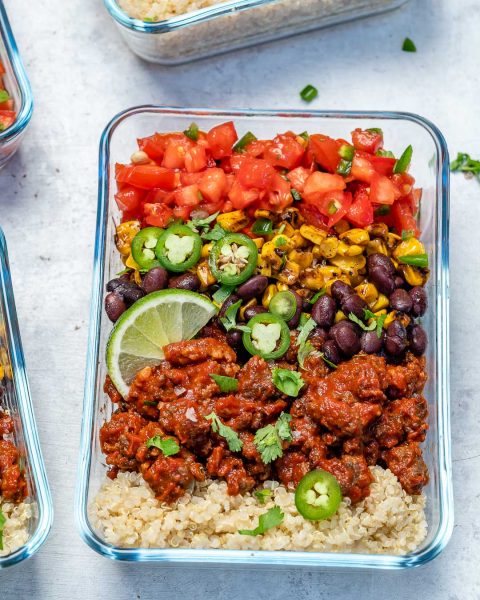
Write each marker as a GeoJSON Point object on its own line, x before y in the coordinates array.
{"type": "Point", "coordinates": [263, 494]}
{"type": "Point", "coordinates": [273, 517]}
{"type": "Point", "coordinates": [280, 241]}
{"type": "Point", "coordinates": [416, 260]}
{"type": "Point", "coordinates": [222, 293]}
{"type": "Point", "coordinates": [192, 132]}
{"type": "Point", "coordinates": [296, 195]}
{"type": "Point", "coordinates": [215, 234]}
{"type": "Point", "coordinates": [465, 164]}
{"type": "Point", "coordinates": [378, 320]}
{"type": "Point", "coordinates": [382, 210]}
{"type": "Point", "coordinates": [168, 446]}
{"type": "Point", "coordinates": [268, 440]}
{"type": "Point", "coordinates": [305, 331]}
{"type": "Point", "coordinates": [347, 152]}
{"type": "Point", "coordinates": [244, 141]}
{"type": "Point", "coordinates": [344, 168]}
{"type": "Point", "coordinates": [404, 161]}
{"type": "Point", "coordinates": [318, 295]}
{"type": "Point", "coordinates": [309, 93]}
{"type": "Point", "coordinates": [235, 444]}
{"type": "Point", "coordinates": [361, 324]}
{"type": "Point", "coordinates": [4, 96]}
{"type": "Point", "coordinates": [408, 45]}
{"type": "Point", "coordinates": [226, 384]}
{"type": "Point", "coordinates": [407, 234]}
{"type": "Point", "coordinates": [385, 153]}
{"type": "Point", "coordinates": [287, 381]}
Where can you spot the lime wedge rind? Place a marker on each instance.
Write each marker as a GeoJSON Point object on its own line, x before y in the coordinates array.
{"type": "Point", "coordinates": [140, 334]}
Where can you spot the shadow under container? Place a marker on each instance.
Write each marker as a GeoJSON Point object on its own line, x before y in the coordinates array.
{"type": "Point", "coordinates": [430, 167]}
{"type": "Point", "coordinates": [15, 398]}
{"type": "Point", "coordinates": [18, 86]}
{"type": "Point", "coordinates": [235, 24]}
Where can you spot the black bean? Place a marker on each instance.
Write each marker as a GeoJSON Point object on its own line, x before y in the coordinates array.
{"type": "Point", "coordinates": [370, 342]}
{"type": "Point", "coordinates": [382, 279]}
{"type": "Point", "coordinates": [114, 306]}
{"type": "Point", "coordinates": [251, 311]}
{"type": "Point", "coordinates": [130, 294]}
{"type": "Point", "coordinates": [255, 286]}
{"type": "Point", "coordinates": [318, 337]}
{"type": "Point", "coordinates": [323, 311]}
{"type": "Point", "coordinates": [418, 340]}
{"type": "Point", "coordinates": [395, 339]}
{"type": "Point", "coordinates": [346, 337]}
{"type": "Point", "coordinates": [419, 300]}
{"type": "Point", "coordinates": [295, 320]}
{"type": "Point", "coordinates": [156, 279]}
{"type": "Point", "coordinates": [228, 302]}
{"type": "Point", "coordinates": [331, 351]}
{"type": "Point", "coordinates": [234, 339]}
{"type": "Point", "coordinates": [380, 260]}
{"type": "Point", "coordinates": [306, 305]}
{"type": "Point", "coordinates": [399, 281]}
{"type": "Point", "coordinates": [397, 328]}
{"type": "Point", "coordinates": [341, 290]}
{"type": "Point", "coordinates": [113, 284]}
{"type": "Point", "coordinates": [186, 281]}
{"type": "Point", "coordinates": [401, 300]}
{"type": "Point", "coordinates": [354, 304]}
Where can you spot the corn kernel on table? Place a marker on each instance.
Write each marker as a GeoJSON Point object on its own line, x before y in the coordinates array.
{"type": "Point", "coordinates": [82, 74]}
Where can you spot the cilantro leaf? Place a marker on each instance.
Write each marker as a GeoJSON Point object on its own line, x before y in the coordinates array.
{"type": "Point", "coordinates": [229, 321]}
{"type": "Point", "coordinates": [287, 381]}
{"type": "Point", "coordinates": [235, 444]}
{"type": "Point", "coordinates": [203, 222]}
{"type": "Point", "coordinates": [273, 517]}
{"type": "Point", "coordinates": [215, 234]}
{"type": "Point", "coordinates": [408, 45]}
{"type": "Point", "coordinates": [378, 320]}
{"type": "Point", "coordinates": [226, 384]}
{"type": "Point", "coordinates": [168, 447]}
{"type": "Point", "coordinates": [222, 293]}
{"type": "Point", "coordinates": [465, 164]}
{"type": "Point", "coordinates": [263, 495]}
{"type": "Point", "coordinates": [296, 195]}
{"type": "Point", "coordinates": [326, 361]}
{"type": "Point", "coordinates": [3, 520]}
{"type": "Point", "coordinates": [304, 351]}
{"type": "Point", "coordinates": [305, 331]}
{"type": "Point", "coordinates": [361, 324]}
{"type": "Point", "coordinates": [268, 440]}
{"type": "Point", "coordinates": [192, 132]}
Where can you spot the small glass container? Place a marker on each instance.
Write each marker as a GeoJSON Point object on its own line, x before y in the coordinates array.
{"type": "Point", "coordinates": [234, 24]}
{"type": "Point", "coordinates": [15, 398]}
{"type": "Point", "coordinates": [18, 86]}
{"type": "Point", "coordinates": [431, 169]}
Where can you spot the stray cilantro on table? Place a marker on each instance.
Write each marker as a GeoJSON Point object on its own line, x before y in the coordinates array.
{"type": "Point", "coordinates": [464, 163]}
{"type": "Point", "coordinates": [273, 517]}
{"type": "Point", "coordinates": [168, 447]}
{"type": "Point", "coordinates": [268, 440]}
{"type": "Point", "coordinates": [235, 444]}
{"type": "Point", "coordinates": [287, 381]}
{"type": "Point", "coordinates": [408, 45]}
{"type": "Point", "coordinates": [309, 93]}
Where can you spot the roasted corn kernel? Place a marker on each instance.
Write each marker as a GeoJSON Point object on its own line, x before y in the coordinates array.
{"type": "Point", "coordinates": [376, 246]}
{"type": "Point", "coordinates": [268, 294]}
{"type": "Point", "coordinates": [131, 264]}
{"type": "Point", "coordinates": [290, 273]}
{"type": "Point", "coordinates": [269, 253]}
{"type": "Point", "coordinates": [205, 275]}
{"type": "Point", "coordinates": [312, 278]}
{"type": "Point", "coordinates": [342, 226]}
{"type": "Point", "coordinates": [261, 213]}
{"type": "Point", "coordinates": [409, 247]}
{"type": "Point", "coordinates": [249, 304]}
{"type": "Point", "coordinates": [349, 264]}
{"type": "Point", "coordinates": [356, 237]}
{"type": "Point", "coordinates": [328, 247]}
{"type": "Point", "coordinates": [340, 316]}
{"type": "Point", "coordinates": [347, 250]}
{"type": "Point", "coordinates": [381, 303]}
{"type": "Point", "coordinates": [413, 275]}
{"type": "Point", "coordinates": [303, 259]}
{"type": "Point", "coordinates": [124, 234]}
{"type": "Point", "coordinates": [233, 221]}
{"type": "Point", "coordinates": [330, 272]}
{"type": "Point", "coordinates": [313, 234]}
{"type": "Point", "coordinates": [283, 242]}
{"type": "Point", "coordinates": [378, 230]}
{"type": "Point", "coordinates": [299, 241]}
{"type": "Point", "coordinates": [368, 292]}
{"type": "Point", "coordinates": [259, 242]}
{"type": "Point", "coordinates": [206, 249]}
{"type": "Point", "coordinates": [264, 266]}
{"type": "Point", "coordinates": [293, 217]}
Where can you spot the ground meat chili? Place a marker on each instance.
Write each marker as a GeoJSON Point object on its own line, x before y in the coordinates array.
{"type": "Point", "coordinates": [309, 247]}
{"type": "Point", "coordinates": [13, 486]}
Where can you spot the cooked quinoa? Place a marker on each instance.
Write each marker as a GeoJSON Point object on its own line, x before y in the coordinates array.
{"type": "Point", "coordinates": [16, 528]}
{"type": "Point", "coordinates": [126, 514]}
{"type": "Point", "coordinates": [157, 10]}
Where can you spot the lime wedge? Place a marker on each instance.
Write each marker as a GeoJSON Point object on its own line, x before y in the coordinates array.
{"type": "Point", "coordinates": [140, 334]}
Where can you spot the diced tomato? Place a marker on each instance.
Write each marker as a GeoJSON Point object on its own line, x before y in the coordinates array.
{"type": "Point", "coordinates": [190, 178]}
{"type": "Point", "coordinates": [241, 197]}
{"type": "Point", "coordinates": [403, 219]}
{"type": "Point", "coordinates": [157, 215]}
{"type": "Point", "coordinates": [129, 198]}
{"type": "Point", "coordinates": [382, 190]}
{"type": "Point", "coordinates": [160, 196]}
{"type": "Point", "coordinates": [255, 148]}
{"type": "Point", "coordinates": [213, 185]}
{"type": "Point", "coordinates": [284, 151]}
{"type": "Point", "coordinates": [298, 178]}
{"type": "Point", "coordinates": [175, 153]}
{"type": "Point", "coordinates": [383, 164]}
{"type": "Point", "coordinates": [221, 139]}
{"type": "Point", "coordinates": [188, 196]}
{"type": "Point", "coordinates": [213, 207]}
{"type": "Point", "coordinates": [2, 68]}
{"type": "Point", "coordinates": [325, 150]}
{"type": "Point", "coordinates": [155, 145]}
{"type": "Point", "coordinates": [362, 169]}
{"type": "Point", "coordinates": [7, 118]}
{"type": "Point", "coordinates": [367, 140]}
{"type": "Point", "coordinates": [182, 212]}
{"type": "Point", "coordinates": [318, 184]}
{"type": "Point", "coordinates": [312, 215]}
{"type": "Point", "coordinates": [280, 195]}
{"type": "Point", "coordinates": [196, 159]}
{"type": "Point", "coordinates": [255, 173]}
{"type": "Point", "coordinates": [334, 205]}
{"type": "Point", "coordinates": [360, 212]}
{"type": "Point", "coordinates": [404, 183]}
{"type": "Point", "coordinates": [147, 177]}
{"type": "Point", "coordinates": [7, 105]}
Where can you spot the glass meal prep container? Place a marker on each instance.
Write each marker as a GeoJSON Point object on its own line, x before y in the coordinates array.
{"type": "Point", "coordinates": [18, 86]}
{"type": "Point", "coordinates": [234, 24]}
{"type": "Point", "coordinates": [430, 167]}
{"type": "Point", "coordinates": [15, 398]}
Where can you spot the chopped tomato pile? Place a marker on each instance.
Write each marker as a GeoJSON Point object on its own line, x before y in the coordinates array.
{"type": "Point", "coordinates": [327, 179]}
{"type": "Point", "coordinates": [7, 112]}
